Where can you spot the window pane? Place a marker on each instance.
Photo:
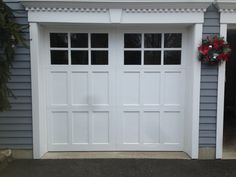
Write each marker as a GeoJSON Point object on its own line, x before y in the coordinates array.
{"type": "Point", "coordinates": [173, 40]}
{"type": "Point", "coordinates": [152, 57]}
{"type": "Point", "coordinates": [99, 57]}
{"type": "Point", "coordinates": [172, 57]}
{"type": "Point", "coordinates": [133, 40]}
{"type": "Point", "coordinates": [99, 40]}
{"type": "Point", "coordinates": [152, 40]}
{"type": "Point", "coordinates": [58, 40]}
{"type": "Point", "coordinates": [79, 40]}
{"type": "Point", "coordinates": [59, 57]}
{"type": "Point", "coordinates": [132, 58]}
{"type": "Point", "coordinates": [79, 57]}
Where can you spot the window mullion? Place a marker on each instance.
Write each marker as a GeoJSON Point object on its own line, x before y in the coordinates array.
{"type": "Point", "coordinates": [162, 49]}
{"type": "Point", "coordinates": [69, 48]}
{"type": "Point", "coordinates": [89, 48]}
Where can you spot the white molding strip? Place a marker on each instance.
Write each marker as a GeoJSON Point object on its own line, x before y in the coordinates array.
{"type": "Point", "coordinates": [104, 10]}
{"type": "Point", "coordinates": [196, 92]}
{"type": "Point", "coordinates": [59, 9]}
{"type": "Point", "coordinates": [220, 101]}
{"type": "Point", "coordinates": [227, 10]}
{"type": "Point", "coordinates": [167, 10]}
{"type": "Point", "coordinates": [34, 50]}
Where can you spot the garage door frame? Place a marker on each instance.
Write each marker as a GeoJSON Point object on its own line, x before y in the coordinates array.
{"type": "Point", "coordinates": [40, 19]}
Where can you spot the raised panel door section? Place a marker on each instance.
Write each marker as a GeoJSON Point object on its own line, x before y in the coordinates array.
{"type": "Point", "coordinates": [172, 128]}
{"type": "Point", "coordinates": [151, 82]}
{"type": "Point", "coordinates": [79, 84]}
{"type": "Point", "coordinates": [59, 88]}
{"type": "Point", "coordinates": [101, 124]}
{"type": "Point", "coordinates": [100, 88]}
{"type": "Point", "coordinates": [131, 88]}
{"type": "Point", "coordinates": [150, 127]}
{"type": "Point", "coordinates": [131, 127]}
{"type": "Point", "coordinates": [59, 131]}
{"type": "Point", "coordinates": [173, 86]}
{"type": "Point", "coordinates": [80, 127]}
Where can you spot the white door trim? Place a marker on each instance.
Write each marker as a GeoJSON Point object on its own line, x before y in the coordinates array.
{"type": "Point", "coordinates": [220, 101]}
{"type": "Point", "coordinates": [197, 37]}
{"type": "Point", "coordinates": [38, 91]}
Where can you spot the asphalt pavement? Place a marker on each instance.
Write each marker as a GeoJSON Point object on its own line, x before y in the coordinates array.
{"type": "Point", "coordinates": [120, 168]}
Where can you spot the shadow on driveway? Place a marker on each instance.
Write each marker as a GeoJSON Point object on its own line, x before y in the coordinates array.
{"type": "Point", "coordinates": [120, 168]}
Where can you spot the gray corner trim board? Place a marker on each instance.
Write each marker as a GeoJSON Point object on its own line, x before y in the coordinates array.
{"type": "Point", "coordinates": [209, 84]}
{"type": "Point", "coordinates": [16, 124]}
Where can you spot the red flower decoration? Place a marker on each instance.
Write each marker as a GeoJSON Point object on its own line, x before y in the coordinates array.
{"type": "Point", "coordinates": [218, 43]}
{"type": "Point", "coordinates": [203, 49]}
{"type": "Point", "coordinates": [223, 56]}
{"type": "Point", "coordinates": [213, 50]}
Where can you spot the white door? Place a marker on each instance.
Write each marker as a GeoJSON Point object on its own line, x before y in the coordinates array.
{"type": "Point", "coordinates": [110, 90]}
{"type": "Point", "coordinates": [151, 91]}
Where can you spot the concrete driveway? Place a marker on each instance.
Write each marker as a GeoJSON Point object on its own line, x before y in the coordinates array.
{"type": "Point", "coordinates": [120, 168]}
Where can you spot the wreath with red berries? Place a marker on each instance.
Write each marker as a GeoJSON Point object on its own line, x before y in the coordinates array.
{"type": "Point", "coordinates": [214, 50]}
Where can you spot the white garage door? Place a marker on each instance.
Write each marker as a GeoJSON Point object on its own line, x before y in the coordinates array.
{"type": "Point", "coordinates": [115, 91]}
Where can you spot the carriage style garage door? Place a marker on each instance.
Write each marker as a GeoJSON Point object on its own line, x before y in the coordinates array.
{"type": "Point", "coordinates": [115, 90]}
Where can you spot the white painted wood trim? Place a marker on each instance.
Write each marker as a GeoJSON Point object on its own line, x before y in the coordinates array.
{"type": "Point", "coordinates": [196, 91]}
{"type": "Point", "coordinates": [107, 17]}
{"type": "Point", "coordinates": [38, 126]}
{"type": "Point", "coordinates": [128, 12]}
{"type": "Point", "coordinates": [220, 101]}
{"type": "Point", "coordinates": [35, 88]}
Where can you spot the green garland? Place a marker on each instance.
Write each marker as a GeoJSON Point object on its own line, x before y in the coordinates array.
{"type": "Point", "coordinates": [10, 36]}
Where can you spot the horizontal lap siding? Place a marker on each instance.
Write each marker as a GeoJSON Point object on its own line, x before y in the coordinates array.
{"type": "Point", "coordinates": [209, 83]}
{"type": "Point", "coordinates": [16, 125]}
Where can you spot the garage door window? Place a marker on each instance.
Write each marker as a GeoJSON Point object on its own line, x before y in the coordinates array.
{"type": "Point", "coordinates": [152, 48]}
{"type": "Point", "coordinates": [79, 48]}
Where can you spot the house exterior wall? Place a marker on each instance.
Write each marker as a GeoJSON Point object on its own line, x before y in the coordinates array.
{"type": "Point", "coordinates": [209, 84]}
{"type": "Point", "coordinates": [16, 125]}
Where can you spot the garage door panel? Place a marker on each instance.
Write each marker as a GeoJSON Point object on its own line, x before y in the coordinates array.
{"type": "Point", "coordinates": [100, 127]}
{"type": "Point", "coordinates": [130, 88]}
{"type": "Point", "coordinates": [59, 123]}
{"type": "Point", "coordinates": [131, 127]}
{"type": "Point", "coordinates": [59, 88]}
{"type": "Point", "coordinates": [79, 87]}
{"type": "Point", "coordinates": [100, 88]}
{"type": "Point", "coordinates": [151, 88]}
{"type": "Point", "coordinates": [171, 128]}
{"type": "Point", "coordinates": [150, 127]}
{"type": "Point", "coordinates": [172, 85]}
{"type": "Point", "coordinates": [80, 127]}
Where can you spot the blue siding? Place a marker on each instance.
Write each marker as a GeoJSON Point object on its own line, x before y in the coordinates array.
{"type": "Point", "coordinates": [16, 125]}
{"type": "Point", "coordinates": [209, 84]}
